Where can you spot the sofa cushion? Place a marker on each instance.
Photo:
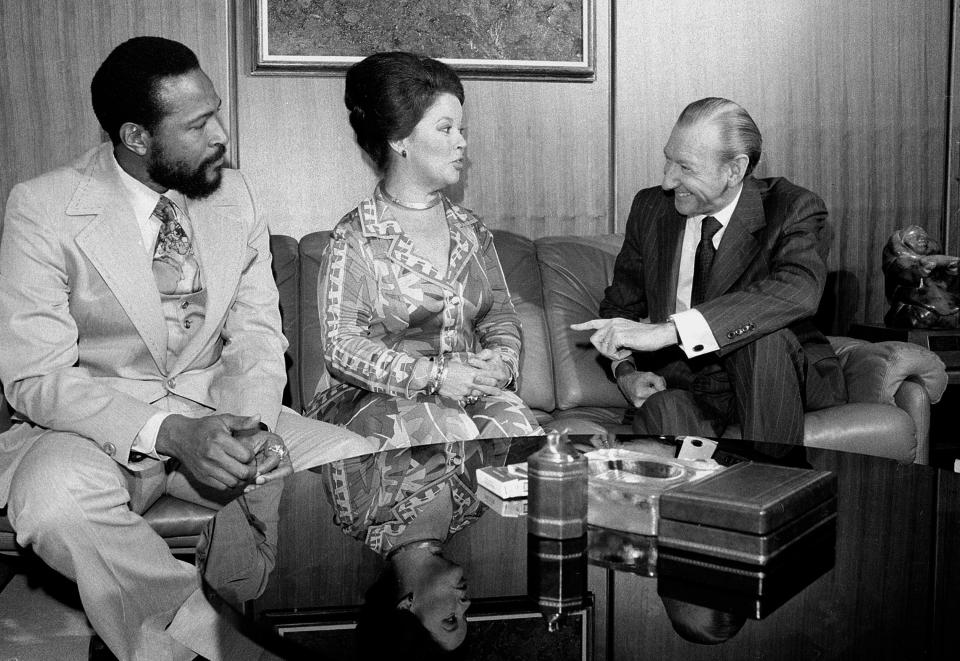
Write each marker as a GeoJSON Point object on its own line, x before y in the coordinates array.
{"type": "Point", "coordinates": [311, 335]}
{"type": "Point", "coordinates": [518, 257]}
{"type": "Point", "coordinates": [286, 275]}
{"type": "Point", "coordinates": [575, 272]}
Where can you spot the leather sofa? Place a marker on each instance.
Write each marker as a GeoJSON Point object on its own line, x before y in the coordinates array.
{"type": "Point", "coordinates": [557, 281]}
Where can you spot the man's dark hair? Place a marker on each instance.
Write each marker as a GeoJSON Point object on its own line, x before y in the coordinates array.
{"type": "Point", "coordinates": [126, 86]}
{"type": "Point", "coordinates": [387, 95]}
{"type": "Point", "coordinates": [738, 131]}
{"type": "Point", "coordinates": [387, 632]}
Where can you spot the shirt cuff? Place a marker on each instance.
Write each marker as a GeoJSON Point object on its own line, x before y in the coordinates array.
{"type": "Point", "coordinates": [695, 335]}
{"type": "Point", "coordinates": [146, 441]}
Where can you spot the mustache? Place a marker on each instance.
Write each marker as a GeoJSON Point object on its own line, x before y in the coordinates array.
{"type": "Point", "coordinates": [221, 150]}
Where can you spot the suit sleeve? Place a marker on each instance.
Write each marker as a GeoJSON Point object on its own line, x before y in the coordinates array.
{"type": "Point", "coordinates": [40, 355]}
{"type": "Point", "coordinates": [254, 344]}
{"type": "Point", "coordinates": [626, 296]}
{"type": "Point", "coordinates": [791, 288]}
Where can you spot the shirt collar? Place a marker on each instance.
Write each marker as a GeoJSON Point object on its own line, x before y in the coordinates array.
{"type": "Point", "coordinates": [141, 197]}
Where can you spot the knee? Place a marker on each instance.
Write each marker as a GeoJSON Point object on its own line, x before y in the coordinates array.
{"type": "Point", "coordinates": [54, 487]}
{"type": "Point", "coordinates": [659, 414]}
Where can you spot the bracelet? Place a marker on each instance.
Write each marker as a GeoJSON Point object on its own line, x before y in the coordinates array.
{"type": "Point", "coordinates": [438, 373]}
{"type": "Point", "coordinates": [441, 373]}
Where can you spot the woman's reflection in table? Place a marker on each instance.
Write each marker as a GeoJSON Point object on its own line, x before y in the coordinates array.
{"type": "Point", "coordinates": [404, 505]}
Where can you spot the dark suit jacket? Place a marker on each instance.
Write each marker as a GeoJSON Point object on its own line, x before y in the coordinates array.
{"type": "Point", "coordinates": [768, 273]}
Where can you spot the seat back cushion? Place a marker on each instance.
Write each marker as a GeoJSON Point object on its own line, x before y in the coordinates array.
{"type": "Point", "coordinates": [311, 336]}
{"type": "Point", "coordinates": [575, 271]}
{"type": "Point", "coordinates": [518, 257]}
{"type": "Point", "coordinates": [286, 275]}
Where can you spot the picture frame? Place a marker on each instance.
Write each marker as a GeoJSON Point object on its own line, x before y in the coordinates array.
{"type": "Point", "coordinates": [481, 39]}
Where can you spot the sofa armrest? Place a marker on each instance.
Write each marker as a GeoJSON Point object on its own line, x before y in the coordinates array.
{"type": "Point", "coordinates": [874, 371]}
{"type": "Point", "coordinates": [913, 398]}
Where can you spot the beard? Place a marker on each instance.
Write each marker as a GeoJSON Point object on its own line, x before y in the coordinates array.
{"type": "Point", "coordinates": [180, 176]}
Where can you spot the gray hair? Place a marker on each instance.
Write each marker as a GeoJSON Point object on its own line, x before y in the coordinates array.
{"type": "Point", "coordinates": [738, 132]}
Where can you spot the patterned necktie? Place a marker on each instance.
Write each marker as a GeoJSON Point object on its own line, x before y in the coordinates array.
{"type": "Point", "coordinates": [175, 266]}
{"type": "Point", "coordinates": [704, 260]}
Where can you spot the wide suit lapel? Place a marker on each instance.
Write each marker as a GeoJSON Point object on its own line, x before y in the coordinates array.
{"type": "Point", "coordinates": [219, 242]}
{"type": "Point", "coordinates": [112, 241]}
{"type": "Point", "coordinates": [739, 247]}
{"type": "Point", "coordinates": [665, 261]}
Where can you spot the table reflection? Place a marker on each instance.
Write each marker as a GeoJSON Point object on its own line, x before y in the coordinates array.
{"type": "Point", "coordinates": [404, 505]}
{"type": "Point", "coordinates": [366, 542]}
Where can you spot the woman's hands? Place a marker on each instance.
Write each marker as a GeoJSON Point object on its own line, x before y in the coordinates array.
{"type": "Point", "coordinates": [483, 374]}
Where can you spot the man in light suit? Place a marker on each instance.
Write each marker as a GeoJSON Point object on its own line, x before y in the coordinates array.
{"type": "Point", "coordinates": [708, 318]}
{"type": "Point", "coordinates": [143, 354]}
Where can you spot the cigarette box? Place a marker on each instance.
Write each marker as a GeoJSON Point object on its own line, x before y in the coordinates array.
{"type": "Point", "coordinates": [504, 481]}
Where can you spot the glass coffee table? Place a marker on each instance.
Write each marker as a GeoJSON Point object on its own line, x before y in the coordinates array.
{"type": "Point", "coordinates": [884, 583]}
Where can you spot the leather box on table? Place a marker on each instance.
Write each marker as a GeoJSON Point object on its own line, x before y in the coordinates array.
{"type": "Point", "coordinates": [748, 513]}
{"type": "Point", "coordinates": [748, 589]}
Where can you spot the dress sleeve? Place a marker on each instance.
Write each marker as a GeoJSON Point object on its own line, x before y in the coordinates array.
{"type": "Point", "coordinates": [499, 328]}
{"type": "Point", "coordinates": [349, 301]}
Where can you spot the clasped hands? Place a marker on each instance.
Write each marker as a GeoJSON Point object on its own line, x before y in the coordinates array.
{"type": "Point", "coordinates": [482, 374]}
{"type": "Point", "coordinates": [225, 451]}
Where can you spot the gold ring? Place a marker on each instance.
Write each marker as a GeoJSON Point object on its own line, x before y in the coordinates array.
{"type": "Point", "coordinates": [277, 449]}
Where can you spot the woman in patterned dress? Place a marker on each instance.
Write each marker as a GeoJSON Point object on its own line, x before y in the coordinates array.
{"type": "Point", "coordinates": [420, 339]}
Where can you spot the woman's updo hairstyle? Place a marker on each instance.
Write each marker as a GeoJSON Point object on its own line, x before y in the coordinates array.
{"type": "Point", "coordinates": [387, 95]}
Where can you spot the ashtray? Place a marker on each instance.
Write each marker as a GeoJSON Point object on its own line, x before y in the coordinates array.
{"type": "Point", "coordinates": [624, 487]}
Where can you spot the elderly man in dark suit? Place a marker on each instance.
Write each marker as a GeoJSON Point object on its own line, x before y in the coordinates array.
{"type": "Point", "coordinates": [708, 319]}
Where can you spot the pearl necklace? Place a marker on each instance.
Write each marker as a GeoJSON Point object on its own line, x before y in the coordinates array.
{"type": "Point", "coordinates": [412, 206]}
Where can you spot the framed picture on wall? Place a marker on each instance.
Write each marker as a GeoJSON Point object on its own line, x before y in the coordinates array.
{"type": "Point", "coordinates": [504, 39]}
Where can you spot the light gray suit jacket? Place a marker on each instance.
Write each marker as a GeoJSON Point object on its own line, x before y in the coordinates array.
{"type": "Point", "coordinates": [84, 346]}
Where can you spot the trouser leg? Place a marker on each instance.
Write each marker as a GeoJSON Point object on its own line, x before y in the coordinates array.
{"type": "Point", "coordinates": [767, 377]}
{"type": "Point", "coordinates": [70, 502]}
{"type": "Point", "coordinates": [235, 555]}
{"type": "Point", "coordinates": [312, 442]}
{"type": "Point", "coordinates": [673, 412]}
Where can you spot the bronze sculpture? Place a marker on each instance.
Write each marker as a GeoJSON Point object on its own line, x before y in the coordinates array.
{"type": "Point", "coordinates": [921, 283]}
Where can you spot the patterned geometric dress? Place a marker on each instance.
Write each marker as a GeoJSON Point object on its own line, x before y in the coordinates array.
{"type": "Point", "coordinates": [383, 306]}
{"type": "Point", "coordinates": [378, 497]}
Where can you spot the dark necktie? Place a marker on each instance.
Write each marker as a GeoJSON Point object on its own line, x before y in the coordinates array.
{"type": "Point", "coordinates": [174, 265]}
{"type": "Point", "coordinates": [705, 253]}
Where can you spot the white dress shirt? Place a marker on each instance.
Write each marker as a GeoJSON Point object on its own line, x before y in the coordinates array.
{"type": "Point", "coordinates": [144, 200]}
{"type": "Point", "coordinates": [695, 335]}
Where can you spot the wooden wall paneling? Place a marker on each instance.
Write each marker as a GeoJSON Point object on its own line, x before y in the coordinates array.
{"type": "Point", "coordinates": [849, 97]}
{"type": "Point", "coordinates": [538, 151]}
{"type": "Point", "coordinates": [951, 219]}
{"type": "Point", "coordinates": [50, 52]}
